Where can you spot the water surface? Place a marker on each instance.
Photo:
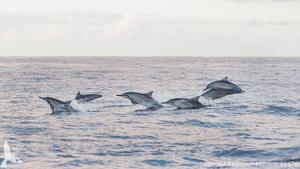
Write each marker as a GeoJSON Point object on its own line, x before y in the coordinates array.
{"type": "Point", "coordinates": [261, 125]}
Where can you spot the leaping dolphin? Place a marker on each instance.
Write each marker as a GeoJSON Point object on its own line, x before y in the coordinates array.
{"type": "Point", "coordinates": [144, 99]}
{"type": "Point", "coordinates": [185, 103]}
{"type": "Point", "coordinates": [224, 84]}
{"type": "Point", "coordinates": [86, 97]}
{"type": "Point", "coordinates": [58, 106]}
{"type": "Point", "coordinates": [221, 88]}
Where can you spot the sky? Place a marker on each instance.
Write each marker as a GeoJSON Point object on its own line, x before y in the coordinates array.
{"type": "Point", "coordinates": [150, 28]}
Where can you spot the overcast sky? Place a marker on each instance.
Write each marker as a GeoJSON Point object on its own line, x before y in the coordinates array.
{"type": "Point", "coordinates": [149, 27]}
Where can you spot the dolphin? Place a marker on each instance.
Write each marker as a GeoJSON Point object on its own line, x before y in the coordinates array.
{"type": "Point", "coordinates": [86, 97]}
{"type": "Point", "coordinates": [185, 103]}
{"type": "Point", "coordinates": [58, 106]}
{"type": "Point", "coordinates": [144, 99]}
{"type": "Point", "coordinates": [224, 84]}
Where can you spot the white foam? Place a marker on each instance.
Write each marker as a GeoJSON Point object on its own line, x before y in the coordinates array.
{"type": "Point", "coordinates": [79, 107]}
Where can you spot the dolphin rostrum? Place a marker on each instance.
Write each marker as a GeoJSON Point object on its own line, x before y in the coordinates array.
{"type": "Point", "coordinates": [185, 103]}
{"type": "Point", "coordinates": [58, 106]}
{"type": "Point", "coordinates": [224, 84]}
{"type": "Point", "coordinates": [144, 99]}
{"type": "Point", "coordinates": [84, 98]}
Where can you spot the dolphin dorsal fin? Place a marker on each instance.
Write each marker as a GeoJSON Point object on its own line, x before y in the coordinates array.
{"type": "Point", "coordinates": [77, 95]}
{"type": "Point", "coordinates": [195, 99]}
{"type": "Point", "coordinates": [149, 93]}
{"type": "Point", "coordinates": [225, 79]}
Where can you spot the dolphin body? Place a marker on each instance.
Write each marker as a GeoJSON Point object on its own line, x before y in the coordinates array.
{"type": "Point", "coordinates": [144, 99]}
{"type": "Point", "coordinates": [80, 98]}
{"type": "Point", "coordinates": [221, 88]}
{"type": "Point", "coordinates": [185, 103]}
{"type": "Point", "coordinates": [58, 106]}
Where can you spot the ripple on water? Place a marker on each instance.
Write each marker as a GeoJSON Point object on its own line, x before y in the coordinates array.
{"type": "Point", "coordinates": [193, 160]}
{"type": "Point", "coordinates": [80, 162]}
{"type": "Point", "coordinates": [248, 136]}
{"type": "Point", "coordinates": [132, 137]}
{"type": "Point", "coordinates": [238, 152]}
{"type": "Point", "coordinates": [198, 123]}
{"type": "Point", "coordinates": [154, 162]}
{"type": "Point", "coordinates": [281, 110]}
{"type": "Point", "coordinates": [26, 131]}
{"type": "Point", "coordinates": [120, 153]}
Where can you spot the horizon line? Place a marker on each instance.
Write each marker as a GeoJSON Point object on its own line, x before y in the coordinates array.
{"type": "Point", "coordinates": [167, 56]}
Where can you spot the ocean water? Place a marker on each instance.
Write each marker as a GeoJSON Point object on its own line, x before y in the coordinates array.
{"type": "Point", "coordinates": [259, 126]}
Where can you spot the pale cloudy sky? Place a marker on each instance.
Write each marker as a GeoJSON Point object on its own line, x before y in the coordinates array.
{"type": "Point", "coordinates": [149, 27]}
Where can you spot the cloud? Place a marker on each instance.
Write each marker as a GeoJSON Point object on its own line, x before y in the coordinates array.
{"type": "Point", "coordinates": [114, 25]}
{"type": "Point", "coordinates": [103, 33]}
{"type": "Point", "coordinates": [93, 24]}
{"type": "Point", "coordinates": [56, 24]}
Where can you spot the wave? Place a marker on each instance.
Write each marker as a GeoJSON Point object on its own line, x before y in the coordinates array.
{"type": "Point", "coordinates": [157, 163]}
{"type": "Point", "coordinates": [237, 152]}
{"type": "Point", "coordinates": [281, 110]}
{"type": "Point", "coordinates": [198, 123]}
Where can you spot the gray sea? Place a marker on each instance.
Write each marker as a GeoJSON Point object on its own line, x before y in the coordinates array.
{"type": "Point", "coordinates": [256, 129]}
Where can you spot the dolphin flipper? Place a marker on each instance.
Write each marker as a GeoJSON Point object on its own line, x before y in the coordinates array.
{"type": "Point", "coordinates": [132, 101]}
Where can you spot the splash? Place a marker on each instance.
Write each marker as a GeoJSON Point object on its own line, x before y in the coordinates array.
{"type": "Point", "coordinates": [79, 107]}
